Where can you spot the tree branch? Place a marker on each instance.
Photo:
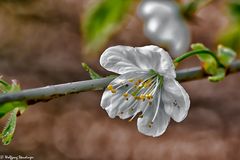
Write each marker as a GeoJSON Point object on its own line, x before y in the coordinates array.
{"type": "Point", "coordinates": [32, 96]}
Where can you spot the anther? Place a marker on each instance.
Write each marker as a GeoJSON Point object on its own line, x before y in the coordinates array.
{"type": "Point", "coordinates": [130, 80]}
{"type": "Point", "coordinates": [130, 120]}
{"type": "Point", "coordinates": [137, 97]}
{"type": "Point", "coordinates": [131, 109]}
{"type": "Point", "coordinates": [148, 96]}
{"type": "Point", "coordinates": [110, 87]}
{"type": "Point", "coordinates": [142, 97]}
{"type": "Point", "coordinates": [125, 94]}
{"type": "Point", "coordinates": [150, 124]}
{"type": "Point", "coordinates": [136, 83]}
{"type": "Point", "coordinates": [113, 90]}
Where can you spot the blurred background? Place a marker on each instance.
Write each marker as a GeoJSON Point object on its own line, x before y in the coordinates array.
{"type": "Point", "coordinates": [44, 42]}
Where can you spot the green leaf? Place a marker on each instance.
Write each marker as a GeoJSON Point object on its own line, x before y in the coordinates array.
{"type": "Point", "coordinates": [102, 20]}
{"type": "Point", "coordinates": [218, 76]}
{"type": "Point", "coordinates": [226, 55]}
{"type": "Point", "coordinates": [208, 62]}
{"type": "Point", "coordinates": [91, 72]}
{"type": "Point", "coordinates": [210, 66]}
{"type": "Point", "coordinates": [15, 108]}
{"type": "Point", "coordinates": [9, 106]}
{"type": "Point", "coordinates": [8, 131]}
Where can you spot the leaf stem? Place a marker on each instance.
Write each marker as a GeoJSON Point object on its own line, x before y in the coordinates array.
{"type": "Point", "coordinates": [196, 52]}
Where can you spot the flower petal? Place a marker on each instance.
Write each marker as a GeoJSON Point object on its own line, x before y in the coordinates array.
{"type": "Point", "coordinates": [115, 103]}
{"type": "Point", "coordinates": [159, 124]}
{"type": "Point", "coordinates": [176, 100]}
{"type": "Point", "coordinates": [164, 26]}
{"type": "Point", "coordinates": [124, 59]}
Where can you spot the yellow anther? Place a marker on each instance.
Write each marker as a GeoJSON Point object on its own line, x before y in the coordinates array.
{"type": "Point", "coordinates": [130, 120]}
{"type": "Point", "coordinates": [146, 85]}
{"type": "Point", "coordinates": [136, 83]}
{"type": "Point", "coordinates": [125, 94]}
{"type": "Point", "coordinates": [137, 97]}
{"type": "Point", "coordinates": [110, 87]}
{"type": "Point", "coordinates": [149, 96]}
{"type": "Point", "coordinates": [140, 80]}
{"type": "Point", "coordinates": [142, 97]}
{"type": "Point", "coordinates": [130, 80]}
{"type": "Point", "coordinates": [113, 90]}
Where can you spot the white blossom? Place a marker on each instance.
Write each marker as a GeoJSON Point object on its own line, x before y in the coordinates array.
{"type": "Point", "coordinates": [164, 26]}
{"type": "Point", "coordinates": [146, 88]}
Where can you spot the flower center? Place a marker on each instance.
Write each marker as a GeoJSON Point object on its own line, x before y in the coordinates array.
{"type": "Point", "coordinates": [141, 87]}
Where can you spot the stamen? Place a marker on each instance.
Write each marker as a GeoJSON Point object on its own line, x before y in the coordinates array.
{"type": "Point", "coordinates": [142, 97]}
{"type": "Point", "coordinates": [130, 120]}
{"type": "Point", "coordinates": [113, 90]}
{"type": "Point", "coordinates": [150, 124]}
{"type": "Point", "coordinates": [130, 107]}
{"type": "Point", "coordinates": [125, 94]}
{"type": "Point", "coordinates": [130, 80]}
{"type": "Point", "coordinates": [140, 87]}
{"type": "Point", "coordinates": [110, 87]}
{"type": "Point", "coordinates": [149, 96]}
{"type": "Point", "coordinates": [158, 106]}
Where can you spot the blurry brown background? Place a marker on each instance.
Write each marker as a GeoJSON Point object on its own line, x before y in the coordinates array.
{"type": "Point", "coordinates": [41, 44]}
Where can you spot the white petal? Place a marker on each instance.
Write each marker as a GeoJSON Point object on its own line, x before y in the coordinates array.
{"type": "Point", "coordinates": [164, 26]}
{"type": "Point", "coordinates": [176, 100]}
{"type": "Point", "coordinates": [116, 103]}
{"type": "Point", "coordinates": [159, 124]}
{"type": "Point", "coordinates": [124, 59]}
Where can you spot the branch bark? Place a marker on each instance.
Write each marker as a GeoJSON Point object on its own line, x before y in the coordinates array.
{"type": "Point", "coordinates": [32, 96]}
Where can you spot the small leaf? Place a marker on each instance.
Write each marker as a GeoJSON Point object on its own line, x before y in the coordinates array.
{"type": "Point", "coordinates": [9, 106]}
{"type": "Point", "coordinates": [91, 72]}
{"type": "Point", "coordinates": [218, 76]}
{"type": "Point", "coordinates": [8, 131]}
{"type": "Point", "coordinates": [226, 55]}
{"type": "Point", "coordinates": [102, 20]}
{"type": "Point", "coordinates": [209, 63]}
{"type": "Point", "coordinates": [198, 46]}
{"type": "Point", "coordinates": [15, 108]}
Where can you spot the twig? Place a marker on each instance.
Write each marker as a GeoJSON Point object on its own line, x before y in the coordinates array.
{"type": "Point", "coordinates": [32, 96]}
